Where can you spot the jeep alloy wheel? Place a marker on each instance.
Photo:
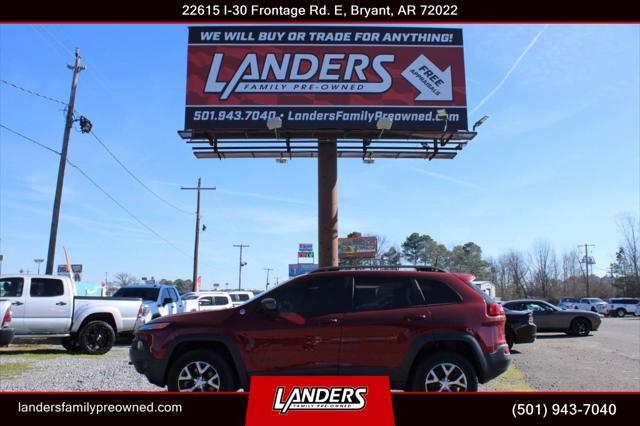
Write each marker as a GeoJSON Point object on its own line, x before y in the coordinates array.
{"type": "Point", "coordinates": [446, 377]}
{"type": "Point", "coordinates": [199, 376]}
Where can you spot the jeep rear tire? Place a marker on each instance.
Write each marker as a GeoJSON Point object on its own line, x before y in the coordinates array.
{"type": "Point", "coordinates": [444, 372]}
{"type": "Point", "coordinates": [96, 338]}
{"type": "Point", "coordinates": [201, 371]}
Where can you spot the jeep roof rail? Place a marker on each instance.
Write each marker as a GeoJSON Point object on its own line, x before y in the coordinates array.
{"type": "Point", "coordinates": [419, 268]}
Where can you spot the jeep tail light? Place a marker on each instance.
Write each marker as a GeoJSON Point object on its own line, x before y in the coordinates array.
{"type": "Point", "coordinates": [495, 309]}
{"type": "Point", "coordinates": [7, 318]}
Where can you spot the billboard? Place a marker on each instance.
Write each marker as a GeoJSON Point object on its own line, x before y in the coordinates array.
{"type": "Point", "coordinates": [324, 77]}
{"type": "Point", "coordinates": [357, 247]}
{"type": "Point", "coordinates": [296, 269]}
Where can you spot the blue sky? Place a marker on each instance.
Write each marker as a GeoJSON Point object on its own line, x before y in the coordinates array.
{"type": "Point", "coordinates": [557, 160]}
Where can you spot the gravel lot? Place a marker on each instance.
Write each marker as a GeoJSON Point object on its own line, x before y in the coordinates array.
{"type": "Point", "coordinates": [607, 360]}
{"type": "Point", "coordinates": [50, 368]}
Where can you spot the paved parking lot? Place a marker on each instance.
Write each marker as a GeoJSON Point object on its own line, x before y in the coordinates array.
{"type": "Point", "coordinates": [607, 360]}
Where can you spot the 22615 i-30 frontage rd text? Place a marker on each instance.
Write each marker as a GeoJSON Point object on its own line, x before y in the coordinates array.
{"type": "Point", "coordinates": [427, 330]}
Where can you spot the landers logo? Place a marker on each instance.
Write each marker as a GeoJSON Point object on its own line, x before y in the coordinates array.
{"type": "Point", "coordinates": [320, 398]}
{"type": "Point", "coordinates": [302, 73]}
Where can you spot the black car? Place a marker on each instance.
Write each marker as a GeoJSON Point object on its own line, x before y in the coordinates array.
{"type": "Point", "coordinates": [519, 327]}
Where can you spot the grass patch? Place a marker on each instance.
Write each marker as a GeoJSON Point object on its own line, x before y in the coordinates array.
{"type": "Point", "coordinates": [511, 380]}
{"type": "Point", "coordinates": [11, 369]}
{"type": "Point", "coordinates": [41, 352]}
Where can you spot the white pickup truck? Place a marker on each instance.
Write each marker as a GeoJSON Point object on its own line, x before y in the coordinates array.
{"type": "Point", "coordinates": [159, 300]}
{"type": "Point", "coordinates": [46, 306]}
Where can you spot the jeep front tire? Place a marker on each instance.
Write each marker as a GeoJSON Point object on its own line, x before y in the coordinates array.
{"type": "Point", "coordinates": [201, 371]}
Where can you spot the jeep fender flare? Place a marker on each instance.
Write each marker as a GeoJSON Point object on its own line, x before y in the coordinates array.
{"type": "Point", "coordinates": [226, 341]}
{"type": "Point", "coordinates": [421, 341]}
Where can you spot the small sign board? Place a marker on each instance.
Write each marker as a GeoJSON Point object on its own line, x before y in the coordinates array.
{"type": "Point", "coordinates": [306, 254]}
{"type": "Point", "coordinates": [62, 269]}
{"type": "Point", "coordinates": [305, 248]}
{"type": "Point", "coordinates": [296, 269]}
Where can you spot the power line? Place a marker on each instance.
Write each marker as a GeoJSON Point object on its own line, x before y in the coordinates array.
{"type": "Point", "coordinates": [94, 183]}
{"type": "Point", "coordinates": [34, 93]}
{"type": "Point", "coordinates": [29, 139]}
{"type": "Point", "coordinates": [126, 169]}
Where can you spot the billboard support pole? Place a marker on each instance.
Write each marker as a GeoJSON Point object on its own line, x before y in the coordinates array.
{"type": "Point", "coordinates": [327, 203]}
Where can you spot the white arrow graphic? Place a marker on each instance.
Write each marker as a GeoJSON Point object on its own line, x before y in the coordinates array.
{"type": "Point", "coordinates": [433, 83]}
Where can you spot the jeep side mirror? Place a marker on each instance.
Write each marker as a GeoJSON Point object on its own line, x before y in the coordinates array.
{"type": "Point", "coordinates": [166, 301]}
{"type": "Point", "coordinates": [269, 304]}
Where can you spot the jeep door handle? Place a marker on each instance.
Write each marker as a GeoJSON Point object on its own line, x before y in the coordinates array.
{"type": "Point", "coordinates": [416, 317]}
{"type": "Point", "coordinates": [17, 303]}
{"type": "Point", "coordinates": [331, 321]}
{"type": "Point", "coordinates": [61, 303]}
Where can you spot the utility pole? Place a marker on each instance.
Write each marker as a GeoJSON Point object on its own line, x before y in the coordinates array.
{"type": "Point", "coordinates": [587, 262]}
{"type": "Point", "coordinates": [197, 242]}
{"type": "Point", "coordinates": [63, 162]}
{"type": "Point", "coordinates": [240, 265]}
{"type": "Point", "coordinates": [268, 270]}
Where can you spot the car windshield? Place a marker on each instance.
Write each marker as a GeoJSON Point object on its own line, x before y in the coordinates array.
{"type": "Point", "coordinates": [138, 292]}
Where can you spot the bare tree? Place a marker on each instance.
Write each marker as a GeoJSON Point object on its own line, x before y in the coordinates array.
{"type": "Point", "coordinates": [518, 271]}
{"type": "Point", "coordinates": [124, 278]}
{"type": "Point", "coordinates": [382, 245]}
{"type": "Point", "coordinates": [543, 258]}
{"type": "Point", "coordinates": [500, 276]}
{"type": "Point", "coordinates": [629, 225]}
{"type": "Point", "coordinates": [570, 265]}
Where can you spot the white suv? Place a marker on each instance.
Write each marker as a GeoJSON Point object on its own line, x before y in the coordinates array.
{"type": "Point", "coordinates": [620, 306]}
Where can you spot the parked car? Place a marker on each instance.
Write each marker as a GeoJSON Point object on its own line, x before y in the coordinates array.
{"type": "Point", "coordinates": [592, 304]}
{"type": "Point", "coordinates": [214, 301]}
{"type": "Point", "coordinates": [239, 297]}
{"type": "Point", "coordinates": [158, 300]}
{"type": "Point", "coordinates": [6, 332]}
{"type": "Point", "coordinates": [519, 327]}
{"type": "Point", "coordinates": [568, 303]}
{"type": "Point", "coordinates": [45, 306]}
{"type": "Point", "coordinates": [551, 318]}
{"type": "Point", "coordinates": [427, 330]}
{"type": "Point", "coordinates": [620, 307]}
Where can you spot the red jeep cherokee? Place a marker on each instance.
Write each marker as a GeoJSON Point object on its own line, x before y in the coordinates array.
{"type": "Point", "coordinates": [427, 330]}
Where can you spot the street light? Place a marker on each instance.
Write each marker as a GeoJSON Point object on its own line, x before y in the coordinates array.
{"type": "Point", "coordinates": [479, 122]}
{"type": "Point", "coordinates": [38, 261]}
{"type": "Point", "coordinates": [274, 124]}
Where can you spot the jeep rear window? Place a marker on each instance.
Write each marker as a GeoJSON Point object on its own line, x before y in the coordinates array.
{"type": "Point", "coordinates": [141, 293]}
{"type": "Point", "coordinates": [436, 292]}
{"type": "Point", "coordinates": [375, 293]}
